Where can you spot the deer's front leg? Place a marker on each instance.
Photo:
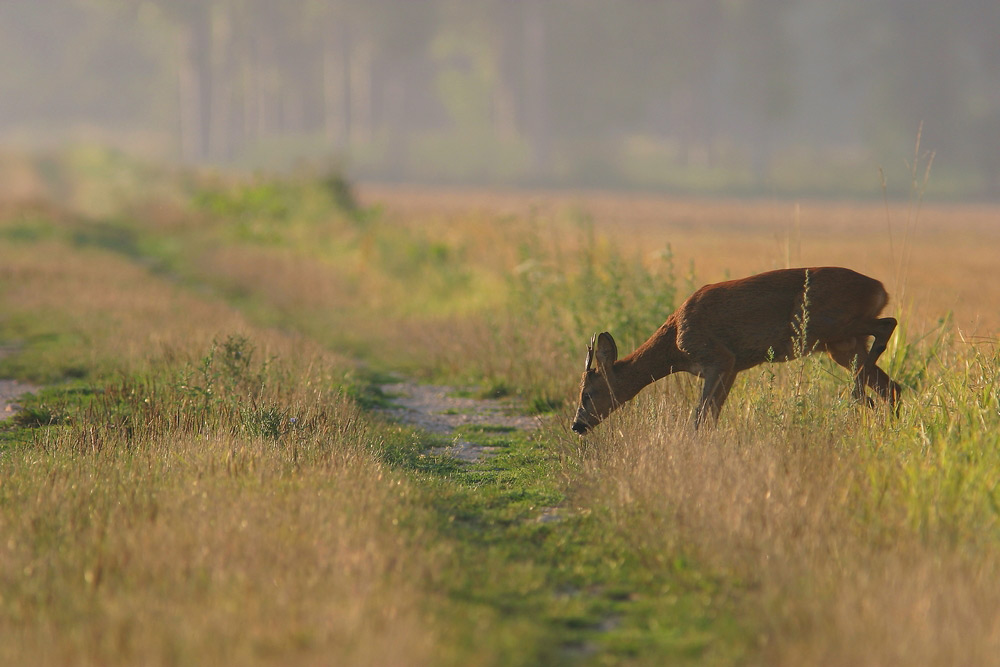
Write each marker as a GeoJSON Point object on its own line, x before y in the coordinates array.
{"type": "Point", "coordinates": [719, 377]}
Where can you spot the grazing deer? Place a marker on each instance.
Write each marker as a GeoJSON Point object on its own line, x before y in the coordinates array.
{"type": "Point", "coordinates": [728, 327]}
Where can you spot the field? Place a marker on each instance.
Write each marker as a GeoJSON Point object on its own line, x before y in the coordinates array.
{"type": "Point", "coordinates": [209, 472]}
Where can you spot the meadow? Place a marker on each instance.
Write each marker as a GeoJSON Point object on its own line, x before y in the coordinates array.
{"type": "Point", "coordinates": [206, 476]}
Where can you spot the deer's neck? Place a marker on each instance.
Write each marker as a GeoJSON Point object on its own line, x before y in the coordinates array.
{"type": "Point", "coordinates": [654, 359]}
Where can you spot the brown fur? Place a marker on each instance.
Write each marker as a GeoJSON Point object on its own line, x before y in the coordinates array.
{"type": "Point", "coordinates": [728, 327]}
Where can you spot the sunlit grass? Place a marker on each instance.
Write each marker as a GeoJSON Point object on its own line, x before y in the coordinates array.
{"type": "Point", "coordinates": [179, 548]}
{"type": "Point", "coordinates": [199, 484]}
{"type": "Point", "coordinates": [201, 490]}
{"type": "Point", "coordinates": [866, 540]}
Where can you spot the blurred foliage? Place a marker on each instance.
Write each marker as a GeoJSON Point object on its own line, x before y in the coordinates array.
{"type": "Point", "coordinates": [771, 97]}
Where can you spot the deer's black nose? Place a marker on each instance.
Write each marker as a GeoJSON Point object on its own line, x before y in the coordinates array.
{"type": "Point", "coordinates": [580, 427]}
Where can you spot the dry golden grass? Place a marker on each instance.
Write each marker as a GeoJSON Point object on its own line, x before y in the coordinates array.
{"type": "Point", "coordinates": [851, 539]}
{"type": "Point", "coordinates": [177, 534]}
{"type": "Point", "coordinates": [933, 258]}
{"type": "Point", "coordinates": [149, 530]}
{"type": "Point", "coordinates": [112, 307]}
{"type": "Point", "coordinates": [813, 515]}
{"type": "Point", "coordinates": [205, 551]}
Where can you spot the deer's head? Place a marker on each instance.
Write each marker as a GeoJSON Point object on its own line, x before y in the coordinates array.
{"type": "Point", "coordinates": [597, 396]}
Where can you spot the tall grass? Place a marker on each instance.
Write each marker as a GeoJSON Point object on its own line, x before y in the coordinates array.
{"type": "Point", "coordinates": [200, 496]}
{"type": "Point", "coordinates": [850, 536]}
{"type": "Point", "coordinates": [866, 540]}
{"type": "Point", "coordinates": [168, 547]}
{"type": "Point", "coordinates": [209, 492]}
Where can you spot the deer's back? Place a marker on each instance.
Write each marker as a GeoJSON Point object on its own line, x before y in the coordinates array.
{"type": "Point", "coordinates": [759, 316]}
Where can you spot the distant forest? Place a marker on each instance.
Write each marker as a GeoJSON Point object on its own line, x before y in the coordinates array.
{"type": "Point", "coordinates": [736, 96]}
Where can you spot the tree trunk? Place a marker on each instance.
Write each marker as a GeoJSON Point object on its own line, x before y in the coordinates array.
{"type": "Point", "coordinates": [220, 134]}
{"type": "Point", "coordinates": [360, 71]}
{"type": "Point", "coordinates": [336, 85]}
{"type": "Point", "coordinates": [189, 97]}
{"type": "Point", "coordinates": [536, 87]}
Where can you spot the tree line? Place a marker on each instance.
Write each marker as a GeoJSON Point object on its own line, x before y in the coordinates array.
{"type": "Point", "coordinates": [583, 92]}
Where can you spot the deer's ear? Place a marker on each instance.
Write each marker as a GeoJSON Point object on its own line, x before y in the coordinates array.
{"type": "Point", "coordinates": [606, 352]}
{"type": "Point", "coordinates": [590, 354]}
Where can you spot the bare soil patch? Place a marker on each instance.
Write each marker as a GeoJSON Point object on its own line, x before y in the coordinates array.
{"type": "Point", "coordinates": [11, 390]}
{"type": "Point", "coordinates": [442, 409]}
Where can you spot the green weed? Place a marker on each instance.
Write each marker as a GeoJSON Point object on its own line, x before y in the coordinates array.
{"type": "Point", "coordinates": [34, 416]}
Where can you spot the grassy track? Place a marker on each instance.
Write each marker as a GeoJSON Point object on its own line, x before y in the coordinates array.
{"type": "Point", "coordinates": [539, 579]}
{"type": "Point", "coordinates": [205, 478]}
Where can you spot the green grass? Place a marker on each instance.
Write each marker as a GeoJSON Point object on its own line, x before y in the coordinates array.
{"type": "Point", "coordinates": [207, 476]}
{"type": "Point", "coordinates": [544, 582]}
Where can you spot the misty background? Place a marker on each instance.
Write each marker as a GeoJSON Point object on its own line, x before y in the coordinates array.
{"type": "Point", "coordinates": [706, 96]}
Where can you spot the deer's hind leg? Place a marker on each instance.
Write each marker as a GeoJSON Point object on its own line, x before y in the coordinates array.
{"type": "Point", "coordinates": [853, 355]}
{"type": "Point", "coordinates": [882, 330]}
{"type": "Point", "coordinates": [884, 386]}
{"type": "Point", "coordinates": [875, 377]}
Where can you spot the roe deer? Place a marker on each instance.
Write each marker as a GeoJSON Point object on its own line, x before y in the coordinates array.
{"type": "Point", "coordinates": [728, 327]}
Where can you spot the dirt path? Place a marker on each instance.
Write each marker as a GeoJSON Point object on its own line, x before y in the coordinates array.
{"type": "Point", "coordinates": [438, 409]}
{"type": "Point", "coordinates": [11, 390]}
